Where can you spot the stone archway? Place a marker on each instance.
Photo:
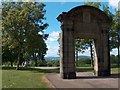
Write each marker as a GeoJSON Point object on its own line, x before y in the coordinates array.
{"type": "Point", "coordinates": [84, 22]}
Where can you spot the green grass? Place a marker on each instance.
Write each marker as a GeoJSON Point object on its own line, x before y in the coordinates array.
{"type": "Point", "coordinates": [84, 65]}
{"type": "Point", "coordinates": [115, 70]}
{"type": "Point", "coordinates": [23, 79]}
{"type": "Point", "coordinates": [89, 69]}
{"type": "Point", "coordinates": [84, 69]}
{"type": "Point", "coordinates": [31, 77]}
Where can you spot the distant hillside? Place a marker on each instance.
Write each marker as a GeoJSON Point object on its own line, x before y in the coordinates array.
{"type": "Point", "coordinates": [52, 58]}
{"type": "Point", "coordinates": [58, 58]}
{"type": "Point", "coordinates": [83, 57]}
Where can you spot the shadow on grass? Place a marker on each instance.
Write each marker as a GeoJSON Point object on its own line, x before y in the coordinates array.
{"type": "Point", "coordinates": [99, 77]}
{"type": "Point", "coordinates": [78, 69]}
{"type": "Point", "coordinates": [84, 69]}
{"type": "Point", "coordinates": [34, 70]}
{"type": "Point", "coordinates": [90, 69]}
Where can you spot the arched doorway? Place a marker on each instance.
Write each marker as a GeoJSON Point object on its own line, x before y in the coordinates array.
{"type": "Point", "coordinates": [84, 22]}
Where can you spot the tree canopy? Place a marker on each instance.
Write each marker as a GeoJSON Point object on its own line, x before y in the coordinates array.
{"type": "Point", "coordinates": [21, 23]}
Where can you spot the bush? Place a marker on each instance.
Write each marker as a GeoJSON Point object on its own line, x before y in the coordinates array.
{"type": "Point", "coordinates": [114, 65]}
{"type": "Point", "coordinates": [53, 63]}
{"type": "Point", "coordinates": [32, 63]}
{"type": "Point", "coordinates": [113, 59]}
{"type": "Point", "coordinates": [42, 63]}
{"type": "Point", "coordinates": [84, 62]}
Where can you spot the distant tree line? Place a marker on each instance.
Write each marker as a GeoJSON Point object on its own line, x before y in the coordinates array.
{"type": "Point", "coordinates": [86, 62]}
{"type": "Point", "coordinates": [82, 62]}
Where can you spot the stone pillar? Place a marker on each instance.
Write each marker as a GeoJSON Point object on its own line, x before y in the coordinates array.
{"type": "Point", "coordinates": [96, 57]}
{"type": "Point", "coordinates": [61, 54]}
{"type": "Point", "coordinates": [105, 53]}
{"type": "Point", "coordinates": [102, 55]}
{"type": "Point", "coordinates": [67, 54]}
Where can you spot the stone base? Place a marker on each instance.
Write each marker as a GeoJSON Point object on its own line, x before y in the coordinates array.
{"type": "Point", "coordinates": [69, 75]}
{"type": "Point", "coordinates": [102, 73]}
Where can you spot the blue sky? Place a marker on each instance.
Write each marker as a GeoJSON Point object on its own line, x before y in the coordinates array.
{"type": "Point", "coordinates": [53, 9]}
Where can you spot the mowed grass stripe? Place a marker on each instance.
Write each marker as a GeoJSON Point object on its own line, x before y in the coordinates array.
{"type": "Point", "coordinates": [22, 79]}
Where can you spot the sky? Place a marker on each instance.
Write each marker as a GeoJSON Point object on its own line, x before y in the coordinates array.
{"type": "Point", "coordinates": [53, 9]}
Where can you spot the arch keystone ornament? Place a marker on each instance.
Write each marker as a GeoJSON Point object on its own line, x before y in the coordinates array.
{"type": "Point", "coordinates": [84, 22]}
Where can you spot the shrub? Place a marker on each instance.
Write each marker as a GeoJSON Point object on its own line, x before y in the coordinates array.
{"type": "Point", "coordinates": [53, 63]}
{"type": "Point", "coordinates": [84, 62]}
{"type": "Point", "coordinates": [42, 63]}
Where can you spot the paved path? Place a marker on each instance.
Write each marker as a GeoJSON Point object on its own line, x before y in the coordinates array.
{"type": "Point", "coordinates": [47, 68]}
{"type": "Point", "coordinates": [84, 80]}
{"type": "Point", "coordinates": [50, 69]}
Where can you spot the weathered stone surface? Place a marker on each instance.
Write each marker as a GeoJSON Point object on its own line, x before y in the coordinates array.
{"type": "Point", "coordinates": [84, 22]}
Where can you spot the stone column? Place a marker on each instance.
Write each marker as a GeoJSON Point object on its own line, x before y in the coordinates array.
{"type": "Point", "coordinates": [102, 55]}
{"type": "Point", "coordinates": [67, 53]}
{"type": "Point", "coordinates": [96, 57]}
{"type": "Point", "coordinates": [105, 53]}
{"type": "Point", "coordinates": [98, 63]}
{"type": "Point", "coordinates": [61, 54]}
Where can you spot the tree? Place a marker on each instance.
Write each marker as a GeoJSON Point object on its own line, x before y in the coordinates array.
{"type": "Point", "coordinates": [95, 4]}
{"type": "Point", "coordinates": [8, 55]}
{"type": "Point", "coordinates": [115, 33]}
{"type": "Point", "coordinates": [22, 21]}
{"type": "Point", "coordinates": [80, 46]}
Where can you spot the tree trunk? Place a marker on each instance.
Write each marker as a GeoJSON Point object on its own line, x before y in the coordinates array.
{"type": "Point", "coordinates": [118, 49]}
{"type": "Point", "coordinates": [43, 59]}
{"type": "Point", "coordinates": [77, 58]}
{"type": "Point", "coordinates": [18, 61]}
{"type": "Point", "coordinates": [36, 62]}
{"type": "Point", "coordinates": [34, 57]}
{"type": "Point", "coordinates": [11, 62]}
{"type": "Point", "coordinates": [91, 53]}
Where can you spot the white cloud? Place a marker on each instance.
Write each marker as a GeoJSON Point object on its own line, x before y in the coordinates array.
{"type": "Point", "coordinates": [52, 44]}
{"type": "Point", "coordinates": [54, 34]}
{"type": "Point", "coordinates": [52, 51]}
{"type": "Point", "coordinates": [114, 3]}
{"type": "Point", "coordinates": [53, 37]}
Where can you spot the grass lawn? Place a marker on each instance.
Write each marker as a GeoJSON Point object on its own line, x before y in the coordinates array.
{"type": "Point", "coordinates": [84, 69]}
{"type": "Point", "coordinates": [32, 78]}
{"type": "Point", "coordinates": [88, 69]}
{"type": "Point", "coordinates": [115, 70]}
{"type": "Point", "coordinates": [23, 79]}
